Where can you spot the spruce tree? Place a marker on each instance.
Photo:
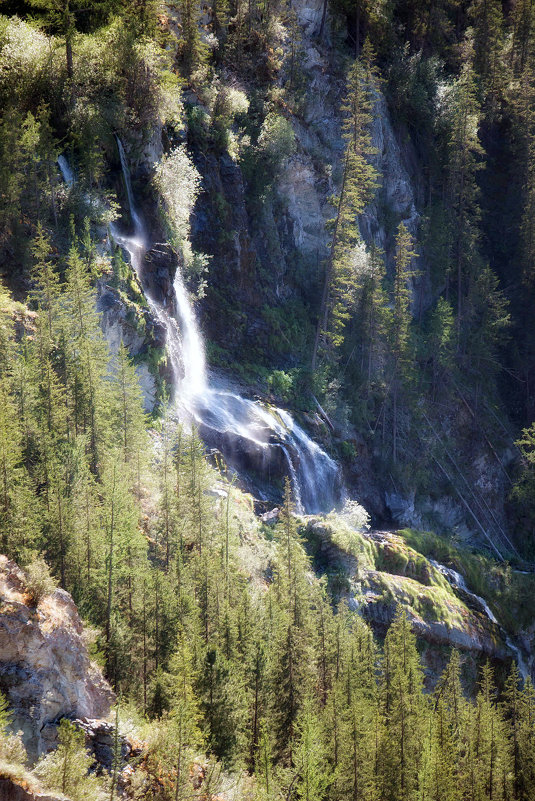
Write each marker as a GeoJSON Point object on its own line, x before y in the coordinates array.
{"type": "Point", "coordinates": [405, 712]}
{"type": "Point", "coordinates": [359, 181]}
{"type": "Point", "coordinates": [465, 153]}
{"type": "Point", "coordinates": [401, 318]}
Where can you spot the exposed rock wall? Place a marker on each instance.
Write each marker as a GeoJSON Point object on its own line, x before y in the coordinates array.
{"type": "Point", "coordinates": [45, 670]}
{"type": "Point", "coordinates": [305, 183]}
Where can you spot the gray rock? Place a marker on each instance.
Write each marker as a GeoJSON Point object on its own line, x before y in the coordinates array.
{"type": "Point", "coordinates": [45, 670]}
{"type": "Point", "coordinates": [271, 518]}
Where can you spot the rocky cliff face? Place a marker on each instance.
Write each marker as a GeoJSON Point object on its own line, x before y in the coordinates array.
{"type": "Point", "coordinates": [256, 255]}
{"type": "Point", "coordinates": [45, 670]}
{"type": "Point", "coordinates": [306, 183]}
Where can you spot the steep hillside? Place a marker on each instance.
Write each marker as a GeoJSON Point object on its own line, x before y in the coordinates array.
{"type": "Point", "coordinates": [266, 369]}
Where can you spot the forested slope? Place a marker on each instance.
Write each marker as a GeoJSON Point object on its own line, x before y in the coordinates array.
{"type": "Point", "coordinates": [344, 193]}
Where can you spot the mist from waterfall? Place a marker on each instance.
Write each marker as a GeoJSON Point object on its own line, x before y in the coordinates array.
{"type": "Point", "coordinates": [226, 417]}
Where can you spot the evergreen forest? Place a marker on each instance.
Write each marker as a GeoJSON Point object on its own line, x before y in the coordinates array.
{"type": "Point", "coordinates": [267, 398]}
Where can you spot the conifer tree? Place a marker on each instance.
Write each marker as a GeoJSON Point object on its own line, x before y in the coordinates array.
{"type": "Point", "coordinates": [291, 659]}
{"type": "Point", "coordinates": [46, 293]}
{"type": "Point", "coordinates": [309, 755]}
{"type": "Point", "coordinates": [171, 506]}
{"type": "Point", "coordinates": [86, 357]}
{"type": "Point", "coordinates": [130, 424]}
{"type": "Point", "coordinates": [19, 528]}
{"type": "Point", "coordinates": [359, 181]}
{"type": "Point", "coordinates": [522, 33]}
{"type": "Point", "coordinates": [526, 130]}
{"type": "Point", "coordinates": [513, 713]}
{"type": "Point", "coordinates": [191, 51]}
{"type": "Point", "coordinates": [523, 738]}
{"type": "Point", "coordinates": [465, 151]}
{"type": "Point", "coordinates": [401, 318]}
{"type": "Point", "coordinates": [488, 46]}
{"type": "Point", "coordinates": [374, 313]}
{"type": "Point", "coordinates": [405, 712]}
{"type": "Point", "coordinates": [66, 768]}
{"type": "Point", "coordinates": [125, 547]}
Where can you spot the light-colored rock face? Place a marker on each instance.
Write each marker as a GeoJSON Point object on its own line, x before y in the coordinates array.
{"type": "Point", "coordinates": [305, 184]}
{"type": "Point", "coordinates": [45, 670]}
{"type": "Point", "coordinates": [309, 13]}
{"type": "Point", "coordinates": [297, 186]}
{"type": "Point", "coordinates": [396, 190]}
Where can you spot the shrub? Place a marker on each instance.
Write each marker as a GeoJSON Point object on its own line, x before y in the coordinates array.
{"type": "Point", "coordinates": [276, 141]}
{"type": "Point", "coordinates": [281, 384]}
{"type": "Point", "coordinates": [11, 747]}
{"type": "Point", "coordinates": [39, 582]}
{"type": "Point", "coordinates": [5, 714]}
{"type": "Point", "coordinates": [178, 183]}
{"type": "Point", "coordinates": [66, 769]}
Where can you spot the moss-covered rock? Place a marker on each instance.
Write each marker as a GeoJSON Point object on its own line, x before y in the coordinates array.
{"type": "Point", "coordinates": [375, 571]}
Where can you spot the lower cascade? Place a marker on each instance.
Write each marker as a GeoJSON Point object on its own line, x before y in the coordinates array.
{"type": "Point", "coordinates": [263, 441]}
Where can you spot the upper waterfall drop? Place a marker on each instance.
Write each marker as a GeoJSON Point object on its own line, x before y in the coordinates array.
{"type": "Point", "coordinates": [136, 219]}
{"type": "Point", "coordinates": [65, 170]}
{"type": "Point", "coordinates": [251, 435]}
{"type": "Point", "coordinates": [194, 383]}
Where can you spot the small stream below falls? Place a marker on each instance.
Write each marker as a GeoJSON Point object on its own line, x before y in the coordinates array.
{"type": "Point", "coordinates": [458, 583]}
{"type": "Point", "coordinates": [263, 441]}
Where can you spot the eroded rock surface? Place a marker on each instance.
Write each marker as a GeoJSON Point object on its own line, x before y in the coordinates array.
{"type": "Point", "coordinates": [45, 670]}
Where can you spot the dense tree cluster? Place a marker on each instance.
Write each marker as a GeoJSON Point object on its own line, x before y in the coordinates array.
{"type": "Point", "coordinates": [443, 317]}
{"type": "Point", "coordinates": [269, 679]}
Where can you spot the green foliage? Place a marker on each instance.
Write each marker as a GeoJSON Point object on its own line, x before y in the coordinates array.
{"type": "Point", "coordinates": [66, 768]}
{"type": "Point", "coordinates": [359, 182]}
{"type": "Point", "coordinates": [281, 384]}
{"type": "Point", "coordinates": [259, 670]}
{"type": "Point", "coordinates": [39, 582]}
{"type": "Point", "coordinates": [5, 715]}
{"type": "Point", "coordinates": [178, 184]}
{"type": "Point", "coordinates": [276, 141]}
{"type": "Point", "coordinates": [505, 589]}
{"type": "Point", "coordinates": [191, 50]}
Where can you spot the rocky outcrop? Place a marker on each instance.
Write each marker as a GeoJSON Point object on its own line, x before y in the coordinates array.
{"type": "Point", "coordinates": [127, 322]}
{"type": "Point", "coordinates": [100, 742]}
{"type": "Point", "coordinates": [45, 670]}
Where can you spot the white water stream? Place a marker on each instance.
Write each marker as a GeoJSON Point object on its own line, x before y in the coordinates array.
{"type": "Point", "coordinates": [458, 582]}
{"type": "Point", "coordinates": [235, 423]}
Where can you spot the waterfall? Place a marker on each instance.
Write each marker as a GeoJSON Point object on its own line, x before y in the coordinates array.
{"type": "Point", "coordinates": [66, 171]}
{"type": "Point", "coordinates": [193, 357]}
{"type": "Point", "coordinates": [239, 427]}
{"type": "Point", "coordinates": [136, 219]}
